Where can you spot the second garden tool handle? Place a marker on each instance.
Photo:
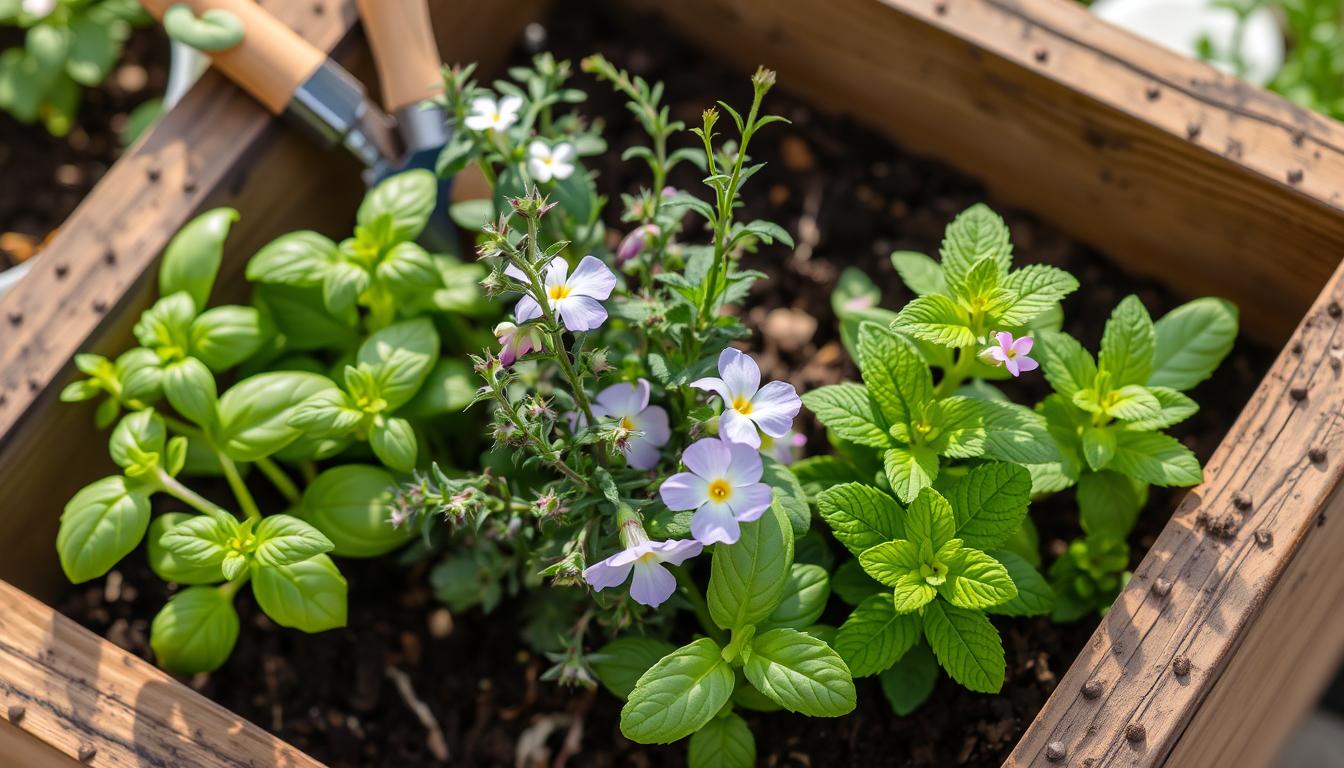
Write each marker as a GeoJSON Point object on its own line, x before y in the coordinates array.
{"type": "Point", "coordinates": [402, 38]}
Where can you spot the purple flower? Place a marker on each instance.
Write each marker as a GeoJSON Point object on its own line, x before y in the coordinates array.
{"type": "Point", "coordinates": [576, 298]}
{"type": "Point", "coordinates": [516, 341]}
{"type": "Point", "coordinates": [634, 243]}
{"type": "Point", "coordinates": [785, 449]}
{"type": "Point", "coordinates": [653, 583]}
{"type": "Point", "coordinates": [629, 405]}
{"type": "Point", "coordinates": [746, 404]}
{"type": "Point", "coordinates": [723, 487]}
{"type": "Point", "coordinates": [1012, 354]}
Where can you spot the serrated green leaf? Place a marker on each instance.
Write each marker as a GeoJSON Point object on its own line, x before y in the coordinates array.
{"type": "Point", "coordinates": [846, 410]}
{"type": "Point", "coordinates": [1191, 341]}
{"type": "Point", "coordinates": [1173, 408]}
{"type": "Point", "coordinates": [1034, 596]}
{"type": "Point", "coordinates": [1132, 401]}
{"type": "Point", "coordinates": [1068, 367]}
{"type": "Point", "coordinates": [860, 516]}
{"type": "Point", "coordinates": [930, 520]}
{"type": "Point", "coordinates": [875, 636]}
{"type": "Point", "coordinates": [910, 469]}
{"type": "Point", "coordinates": [1128, 344]}
{"type": "Point", "coordinates": [1035, 290]}
{"type": "Point", "coordinates": [620, 663]}
{"type": "Point", "coordinates": [748, 578]}
{"type": "Point", "coordinates": [1098, 446]}
{"type": "Point", "coordinates": [967, 646]}
{"type": "Point", "coordinates": [724, 742]}
{"type": "Point", "coordinates": [800, 673]}
{"type": "Point", "coordinates": [1155, 458]}
{"type": "Point", "coordinates": [679, 695]}
{"type": "Point", "coordinates": [937, 319]}
{"type": "Point", "coordinates": [920, 273]}
{"type": "Point", "coordinates": [975, 580]}
{"type": "Point", "coordinates": [989, 503]}
{"type": "Point", "coordinates": [977, 233]}
{"type": "Point", "coordinates": [908, 683]}
{"type": "Point", "coordinates": [1108, 504]}
{"type": "Point", "coordinates": [894, 372]}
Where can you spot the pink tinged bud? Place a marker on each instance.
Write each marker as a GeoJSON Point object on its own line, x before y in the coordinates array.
{"type": "Point", "coordinates": [635, 242]}
{"type": "Point", "coordinates": [516, 341]}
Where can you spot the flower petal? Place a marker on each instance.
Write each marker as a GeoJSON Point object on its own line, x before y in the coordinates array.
{"type": "Point", "coordinates": [509, 106]}
{"type": "Point", "coordinates": [604, 574]}
{"type": "Point", "coordinates": [625, 399]}
{"type": "Point", "coordinates": [652, 584]}
{"type": "Point", "coordinates": [483, 105]}
{"type": "Point", "coordinates": [1025, 363]}
{"type": "Point", "coordinates": [736, 428]}
{"type": "Point", "coordinates": [998, 354]}
{"type": "Point", "coordinates": [527, 309]}
{"type": "Point", "coordinates": [563, 153]}
{"type": "Point", "coordinates": [652, 422]}
{"type": "Point", "coordinates": [556, 272]}
{"type": "Point", "coordinates": [561, 170]}
{"type": "Point", "coordinates": [676, 551]}
{"type": "Point", "coordinates": [1023, 345]}
{"type": "Point", "coordinates": [640, 453]}
{"type": "Point", "coordinates": [581, 313]}
{"type": "Point", "coordinates": [1013, 365]}
{"type": "Point", "coordinates": [516, 273]}
{"type": "Point", "coordinates": [717, 386]}
{"type": "Point", "coordinates": [715, 524]}
{"type": "Point", "coordinates": [539, 169]}
{"type": "Point", "coordinates": [592, 278]}
{"type": "Point", "coordinates": [538, 149]}
{"type": "Point", "coordinates": [707, 457]}
{"type": "Point", "coordinates": [750, 502]}
{"type": "Point", "coordinates": [775, 407]}
{"type": "Point", "coordinates": [739, 372]}
{"type": "Point", "coordinates": [684, 491]}
{"type": "Point", "coordinates": [476, 122]}
{"type": "Point", "coordinates": [1005, 339]}
{"type": "Point", "coordinates": [744, 466]}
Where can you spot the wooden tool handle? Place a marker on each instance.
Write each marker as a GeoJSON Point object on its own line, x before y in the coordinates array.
{"type": "Point", "coordinates": [270, 63]}
{"type": "Point", "coordinates": [402, 38]}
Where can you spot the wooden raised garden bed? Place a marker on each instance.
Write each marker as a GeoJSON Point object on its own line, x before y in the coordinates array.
{"type": "Point", "coordinates": [1219, 643]}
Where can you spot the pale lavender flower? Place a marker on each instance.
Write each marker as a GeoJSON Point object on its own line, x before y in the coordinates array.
{"type": "Point", "coordinates": [1012, 354]}
{"type": "Point", "coordinates": [635, 242]}
{"type": "Point", "coordinates": [652, 583]}
{"type": "Point", "coordinates": [723, 487]}
{"type": "Point", "coordinates": [545, 162]}
{"type": "Point", "coordinates": [577, 298]}
{"type": "Point", "coordinates": [516, 341]}
{"type": "Point", "coordinates": [786, 449]}
{"type": "Point", "coordinates": [488, 114]}
{"type": "Point", "coordinates": [646, 424]}
{"type": "Point", "coordinates": [746, 404]}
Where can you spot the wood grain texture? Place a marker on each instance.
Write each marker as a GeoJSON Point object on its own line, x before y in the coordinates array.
{"type": "Point", "coordinates": [1153, 158]}
{"type": "Point", "coordinates": [68, 691]}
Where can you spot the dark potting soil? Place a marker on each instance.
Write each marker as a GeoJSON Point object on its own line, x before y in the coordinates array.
{"type": "Point", "coordinates": [851, 198]}
{"type": "Point", "coordinates": [46, 176]}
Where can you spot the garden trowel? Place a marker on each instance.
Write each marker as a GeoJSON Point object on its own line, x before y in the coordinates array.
{"type": "Point", "coordinates": [291, 77]}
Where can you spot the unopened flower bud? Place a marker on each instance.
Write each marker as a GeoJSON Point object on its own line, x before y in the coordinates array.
{"type": "Point", "coordinates": [634, 243]}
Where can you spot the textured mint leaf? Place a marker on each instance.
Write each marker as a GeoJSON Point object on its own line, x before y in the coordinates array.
{"type": "Point", "coordinates": [678, 695]}
{"type": "Point", "coordinates": [853, 320]}
{"type": "Point", "coordinates": [910, 469]}
{"type": "Point", "coordinates": [1068, 367]}
{"type": "Point", "coordinates": [1128, 344]}
{"type": "Point", "coordinates": [967, 646]}
{"type": "Point", "coordinates": [1108, 504]}
{"type": "Point", "coordinates": [1173, 408]}
{"type": "Point", "coordinates": [855, 291]}
{"type": "Point", "coordinates": [309, 595]}
{"type": "Point", "coordinates": [976, 580]}
{"type": "Point", "coordinates": [980, 286]}
{"type": "Point", "coordinates": [860, 516]}
{"type": "Point", "coordinates": [1098, 446]}
{"type": "Point", "coordinates": [724, 742]}
{"type": "Point", "coordinates": [1156, 458]}
{"type": "Point", "coordinates": [961, 424]}
{"type": "Point", "coordinates": [1132, 401]}
{"type": "Point", "coordinates": [938, 320]}
{"type": "Point", "coordinates": [800, 673]}
{"type": "Point", "coordinates": [989, 503]}
{"type": "Point", "coordinates": [875, 636]}
{"type": "Point", "coordinates": [930, 520]}
{"type": "Point", "coordinates": [846, 410]}
{"type": "Point", "coordinates": [803, 600]}
{"type": "Point", "coordinates": [920, 273]}
{"type": "Point", "coordinates": [748, 578]}
{"type": "Point", "coordinates": [1192, 340]}
{"type": "Point", "coordinates": [1034, 595]}
{"type": "Point", "coordinates": [891, 561]}
{"type": "Point", "coordinates": [897, 377]}
{"type": "Point", "coordinates": [195, 632]}
{"type": "Point", "coordinates": [908, 683]}
{"type": "Point", "coordinates": [620, 663]}
{"type": "Point", "coordinates": [977, 233]}
{"type": "Point", "coordinates": [1016, 434]}
{"type": "Point", "coordinates": [101, 524]}
{"type": "Point", "coordinates": [1035, 290]}
{"type": "Point", "coordinates": [851, 584]}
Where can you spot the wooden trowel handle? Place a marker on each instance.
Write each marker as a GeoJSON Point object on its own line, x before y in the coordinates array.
{"type": "Point", "coordinates": [270, 63]}
{"type": "Point", "coordinates": [404, 48]}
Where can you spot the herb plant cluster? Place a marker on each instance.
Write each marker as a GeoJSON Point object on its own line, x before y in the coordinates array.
{"type": "Point", "coordinates": [638, 485]}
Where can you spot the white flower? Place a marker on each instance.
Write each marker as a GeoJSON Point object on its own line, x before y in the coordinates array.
{"type": "Point", "coordinates": [577, 298]}
{"type": "Point", "coordinates": [546, 163]}
{"type": "Point", "coordinates": [39, 8]}
{"type": "Point", "coordinates": [746, 404]}
{"type": "Point", "coordinates": [488, 114]}
{"type": "Point", "coordinates": [646, 424]}
{"type": "Point", "coordinates": [723, 486]}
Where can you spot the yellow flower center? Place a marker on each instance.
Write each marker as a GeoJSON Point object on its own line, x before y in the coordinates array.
{"type": "Point", "coordinates": [557, 292]}
{"type": "Point", "coordinates": [647, 557]}
{"type": "Point", "coordinates": [742, 405]}
{"type": "Point", "coordinates": [720, 491]}
{"type": "Point", "coordinates": [627, 424]}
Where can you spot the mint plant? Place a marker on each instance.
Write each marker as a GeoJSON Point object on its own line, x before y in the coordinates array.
{"type": "Point", "coordinates": [68, 45]}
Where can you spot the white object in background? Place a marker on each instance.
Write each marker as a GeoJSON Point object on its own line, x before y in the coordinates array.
{"type": "Point", "coordinates": [185, 67]}
{"type": "Point", "coordinates": [10, 277]}
{"type": "Point", "coordinates": [1179, 25]}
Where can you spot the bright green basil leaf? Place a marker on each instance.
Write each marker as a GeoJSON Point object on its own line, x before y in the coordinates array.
{"type": "Point", "coordinates": [1108, 504]}
{"type": "Point", "coordinates": [620, 663]}
{"type": "Point", "coordinates": [724, 742]}
{"type": "Point", "coordinates": [449, 388]}
{"type": "Point", "coordinates": [408, 267]}
{"type": "Point", "coordinates": [300, 315]}
{"type": "Point", "coordinates": [226, 336]}
{"type": "Point", "coordinates": [920, 273]}
{"type": "Point", "coordinates": [350, 505]}
{"type": "Point", "coordinates": [938, 320]}
{"type": "Point", "coordinates": [191, 260]}
{"type": "Point", "coordinates": [190, 389]}
{"type": "Point", "coordinates": [1068, 367]}
{"type": "Point", "coordinates": [1034, 595]}
{"type": "Point", "coordinates": [401, 356]}
{"type": "Point", "coordinates": [408, 198]}
{"type": "Point", "coordinates": [967, 646]}
{"type": "Point", "coordinates": [860, 516]}
{"type": "Point", "coordinates": [679, 695]}
{"type": "Point", "coordinates": [1035, 290]}
{"type": "Point", "coordinates": [101, 524]}
{"type": "Point", "coordinates": [1098, 446]}
{"type": "Point", "coordinates": [285, 540]}
{"type": "Point", "coordinates": [896, 375]}
{"type": "Point", "coordinates": [910, 469]}
{"type": "Point", "coordinates": [1156, 459]}
{"type": "Point", "coordinates": [846, 410]}
{"type": "Point", "coordinates": [204, 540]}
{"type": "Point", "coordinates": [989, 503]}
{"type": "Point", "coordinates": [788, 496]}
{"type": "Point", "coordinates": [342, 284]}
{"type": "Point", "coordinates": [309, 595]}
{"type": "Point", "coordinates": [977, 233]}
{"type": "Point", "coordinates": [168, 567]}
{"type": "Point", "coordinates": [747, 579]}
{"type": "Point", "coordinates": [908, 683]}
{"type": "Point", "coordinates": [875, 636]}
{"type": "Point", "coordinates": [233, 565]}
{"type": "Point", "coordinates": [976, 580]}
{"type": "Point", "coordinates": [930, 520]}
{"type": "Point", "coordinates": [1173, 408]}
{"type": "Point", "coordinates": [394, 443]}
{"type": "Point", "coordinates": [296, 258]}
{"type": "Point", "coordinates": [95, 46]}
{"type": "Point", "coordinates": [166, 324]}
{"type": "Point", "coordinates": [1192, 340]}
{"type": "Point", "coordinates": [803, 599]}
{"type": "Point", "coordinates": [138, 436]}
{"type": "Point", "coordinates": [851, 584]}
{"type": "Point", "coordinates": [254, 413]}
{"type": "Point", "coordinates": [1128, 344]}
{"type": "Point", "coordinates": [800, 673]}
{"type": "Point", "coordinates": [329, 413]}
{"type": "Point", "coordinates": [195, 632]}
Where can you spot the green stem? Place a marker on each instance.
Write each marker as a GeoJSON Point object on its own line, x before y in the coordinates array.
{"type": "Point", "coordinates": [548, 454]}
{"type": "Point", "coordinates": [182, 493]}
{"type": "Point", "coordinates": [280, 479]}
{"type": "Point", "coordinates": [240, 491]}
{"type": "Point", "coordinates": [698, 604]}
{"type": "Point", "coordinates": [954, 376]}
{"type": "Point", "coordinates": [230, 588]}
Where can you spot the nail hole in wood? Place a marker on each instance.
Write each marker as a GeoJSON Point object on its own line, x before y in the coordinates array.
{"type": "Point", "coordinates": [1092, 689]}
{"type": "Point", "coordinates": [109, 257]}
{"type": "Point", "coordinates": [1264, 538]}
{"type": "Point", "coordinates": [1161, 587]}
{"type": "Point", "coordinates": [1241, 501]}
{"type": "Point", "coordinates": [1055, 751]}
{"type": "Point", "coordinates": [1317, 455]}
{"type": "Point", "coordinates": [61, 271]}
{"type": "Point", "coordinates": [99, 306]}
{"type": "Point", "coordinates": [153, 173]}
{"type": "Point", "coordinates": [1298, 393]}
{"type": "Point", "coordinates": [1135, 732]}
{"type": "Point", "coordinates": [1181, 666]}
{"type": "Point", "coordinates": [15, 317]}
{"type": "Point", "coordinates": [1041, 55]}
{"type": "Point", "coordinates": [940, 9]}
{"type": "Point", "coordinates": [1295, 176]}
{"type": "Point", "coordinates": [1192, 131]}
{"type": "Point", "coordinates": [86, 752]}
{"type": "Point", "coordinates": [1296, 348]}
{"type": "Point", "coordinates": [1299, 136]}
{"type": "Point", "coordinates": [16, 713]}
{"type": "Point", "coordinates": [1153, 93]}
{"type": "Point", "coordinates": [1333, 310]}
{"type": "Point", "coordinates": [189, 186]}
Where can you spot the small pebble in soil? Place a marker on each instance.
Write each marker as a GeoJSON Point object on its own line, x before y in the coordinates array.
{"type": "Point", "coordinates": [1135, 732]}
{"type": "Point", "coordinates": [1055, 751]}
{"type": "Point", "coordinates": [1181, 666]}
{"type": "Point", "coordinates": [1241, 501]}
{"type": "Point", "coordinates": [1161, 587]}
{"type": "Point", "coordinates": [1298, 393]}
{"type": "Point", "coordinates": [16, 713]}
{"type": "Point", "coordinates": [1264, 537]}
{"type": "Point", "coordinates": [1093, 689]}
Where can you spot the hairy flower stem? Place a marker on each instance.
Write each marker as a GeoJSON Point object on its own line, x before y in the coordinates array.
{"type": "Point", "coordinates": [692, 592]}
{"type": "Point", "coordinates": [280, 480]}
{"type": "Point", "coordinates": [542, 447]}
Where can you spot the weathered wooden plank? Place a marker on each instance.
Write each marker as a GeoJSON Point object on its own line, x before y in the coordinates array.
{"type": "Point", "coordinates": [76, 693]}
{"type": "Point", "coordinates": [1169, 166]}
